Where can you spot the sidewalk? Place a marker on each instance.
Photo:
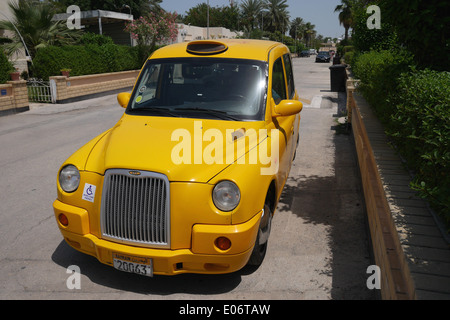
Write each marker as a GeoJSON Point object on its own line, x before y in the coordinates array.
{"type": "Point", "coordinates": [48, 108]}
{"type": "Point", "coordinates": [421, 234]}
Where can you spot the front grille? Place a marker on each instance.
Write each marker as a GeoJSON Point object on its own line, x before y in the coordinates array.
{"type": "Point", "coordinates": [136, 208]}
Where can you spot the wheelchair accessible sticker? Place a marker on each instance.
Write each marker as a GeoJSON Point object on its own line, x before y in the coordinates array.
{"type": "Point", "coordinates": [89, 192]}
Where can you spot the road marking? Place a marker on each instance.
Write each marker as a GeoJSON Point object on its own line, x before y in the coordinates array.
{"type": "Point", "coordinates": [305, 101]}
{"type": "Point", "coordinates": [315, 102]}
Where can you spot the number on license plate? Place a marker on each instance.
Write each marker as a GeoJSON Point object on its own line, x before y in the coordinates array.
{"type": "Point", "coordinates": [142, 266]}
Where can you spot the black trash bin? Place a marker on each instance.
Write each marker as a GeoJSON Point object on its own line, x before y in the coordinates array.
{"type": "Point", "coordinates": [337, 59]}
{"type": "Point", "coordinates": [338, 77]}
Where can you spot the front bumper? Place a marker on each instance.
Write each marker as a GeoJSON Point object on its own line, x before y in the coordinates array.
{"type": "Point", "coordinates": [202, 257]}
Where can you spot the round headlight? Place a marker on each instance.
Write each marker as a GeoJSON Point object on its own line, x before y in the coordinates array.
{"type": "Point", "coordinates": [226, 195]}
{"type": "Point", "coordinates": [69, 178]}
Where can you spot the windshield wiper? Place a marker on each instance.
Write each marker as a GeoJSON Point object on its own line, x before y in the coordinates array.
{"type": "Point", "coordinates": [160, 110]}
{"type": "Point", "coordinates": [217, 113]}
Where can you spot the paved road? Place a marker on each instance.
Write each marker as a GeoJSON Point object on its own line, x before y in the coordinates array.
{"type": "Point", "coordinates": [318, 247]}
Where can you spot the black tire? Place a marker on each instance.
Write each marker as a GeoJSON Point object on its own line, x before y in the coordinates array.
{"type": "Point", "coordinates": [260, 248]}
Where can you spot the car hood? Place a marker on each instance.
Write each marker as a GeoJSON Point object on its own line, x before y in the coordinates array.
{"type": "Point", "coordinates": [163, 144]}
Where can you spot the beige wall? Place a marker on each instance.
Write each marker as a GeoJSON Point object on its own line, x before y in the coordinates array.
{"type": "Point", "coordinates": [16, 98]}
{"type": "Point", "coordinates": [75, 88]}
{"type": "Point", "coordinates": [199, 33]}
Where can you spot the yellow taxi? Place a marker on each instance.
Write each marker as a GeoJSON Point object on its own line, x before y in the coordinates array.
{"type": "Point", "coordinates": [188, 179]}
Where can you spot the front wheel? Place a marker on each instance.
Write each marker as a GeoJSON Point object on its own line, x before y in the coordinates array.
{"type": "Point", "coordinates": [260, 248]}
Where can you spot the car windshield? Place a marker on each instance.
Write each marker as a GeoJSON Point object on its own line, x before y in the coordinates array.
{"type": "Point", "coordinates": [227, 89]}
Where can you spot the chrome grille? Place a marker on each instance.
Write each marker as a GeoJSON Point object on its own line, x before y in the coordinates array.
{"type": "Point", "coordinates": [135, 208]}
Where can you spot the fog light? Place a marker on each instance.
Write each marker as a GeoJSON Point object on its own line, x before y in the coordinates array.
{"type": "Point", "coordinates": [63, 220]}
{"type": "Point", "coordinates": [223, 243]}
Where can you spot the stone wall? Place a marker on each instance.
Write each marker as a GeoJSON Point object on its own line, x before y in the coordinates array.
{"type": "Point", "coordinates": [69, 89]}
{"type": "Point", "coordinates": [13, 97]}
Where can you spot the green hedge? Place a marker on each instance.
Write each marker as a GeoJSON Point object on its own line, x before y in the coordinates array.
{"type": "Point", "coordinates": [5, 67]}
{"type": "Point", "coordinates": [420, 127]}
{"type": "Point", "coordinates": [348, 57]}
{"type": "Point", "coordinates": [85, 59]}
{"type": "Point", "coordinates": [379, 72]}
{"type": "Point", "coordinates": [414, 107]}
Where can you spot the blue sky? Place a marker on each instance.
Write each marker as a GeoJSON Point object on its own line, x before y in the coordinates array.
{"type": "Point", "coordinates": [318, 12]}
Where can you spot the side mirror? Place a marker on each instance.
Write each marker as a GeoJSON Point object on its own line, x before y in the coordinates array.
{"type": "Point", "coordinates": [123, 98]}
{"type": "Point", "coordinates": [286, 108]}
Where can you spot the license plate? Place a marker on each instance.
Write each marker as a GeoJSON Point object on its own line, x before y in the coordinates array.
{"type": "Point", "coordinates": [138, 265]}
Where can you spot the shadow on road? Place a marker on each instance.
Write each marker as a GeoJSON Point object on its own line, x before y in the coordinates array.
{"type": "Point", "coordinates": [337, 202]}
{"type": "Point", "coordinates": [107, 276]}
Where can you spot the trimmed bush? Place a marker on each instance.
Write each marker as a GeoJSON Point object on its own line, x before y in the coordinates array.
{"type": "Point", "coordinates": [93, 38]}
{"type": "Point", "coordinates": [348, 57]}
{"type": "Point", "coordinates": [5, 67]}
{"type": "Point", "coordinates": [379, 72]}
{"type": "Point", "coordinates": [90, 58]}
{"type": "Point", "coordinates": [420, 127]}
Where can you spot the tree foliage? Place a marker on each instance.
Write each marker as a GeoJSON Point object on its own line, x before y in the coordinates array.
{"type": "Point", "coordinates": [153, 28]}
{"type": "Point", "coordinates": [278, 15]}
{"type": "Point", "coordinates": [33, 20]}
{"type": "Point", "coordinates": [226, 16]}
{"type": "Point", "coordinates": [423, 27]}
{"type": "Point", "coordinates": [345, 15]}
{"type": "Point", "coordinates": [365, 39]}
{"type": "Point", "coordinates": [251, 13]}
{"type": "Point", "coordinates": [5, 67]}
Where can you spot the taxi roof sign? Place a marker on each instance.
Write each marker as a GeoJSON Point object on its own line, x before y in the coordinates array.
{"type": "Point", "coordinates": [206, 47]}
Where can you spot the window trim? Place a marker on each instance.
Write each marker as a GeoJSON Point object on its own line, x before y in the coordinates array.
{"type": "Point", "coordinates": [291, 91]}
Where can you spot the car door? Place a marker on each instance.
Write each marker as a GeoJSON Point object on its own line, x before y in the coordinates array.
{"type": "Point", "coordinates": [285, 125]}
{"type": "Point", "coordinates": [292, 95]}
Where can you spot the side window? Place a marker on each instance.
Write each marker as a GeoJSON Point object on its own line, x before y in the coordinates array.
{"type": "Point", "coordinates": [147, 87]}
{"type": "Point", "coordinates": [278, 82]}
{"type": "Point", "coordinates": [289, 75]}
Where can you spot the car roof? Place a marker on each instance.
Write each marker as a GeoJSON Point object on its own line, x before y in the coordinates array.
{"type": "Point", "coordinates": [235, 48]}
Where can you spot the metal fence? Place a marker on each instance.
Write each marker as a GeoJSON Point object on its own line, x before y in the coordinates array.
{"type": "Point", "coordinates": [41, 91]}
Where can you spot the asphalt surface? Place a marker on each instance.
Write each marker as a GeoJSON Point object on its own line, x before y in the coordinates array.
{"type": "Point", "coordinates": [318, 247]}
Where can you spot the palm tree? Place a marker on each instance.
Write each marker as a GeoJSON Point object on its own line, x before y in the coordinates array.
{"type": "Point", "coordinates": [309, 33]}
{"type": "Point", "coordinates": [297, 28]}
{"type": "Point", "coordinates": [251, 10]}
{"type": "Point", "coordinates": [33, 21]}
{"type": "Point", "coordinates": [345, 15]}
{"type": "Point", "coordinates": [279, 16]}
